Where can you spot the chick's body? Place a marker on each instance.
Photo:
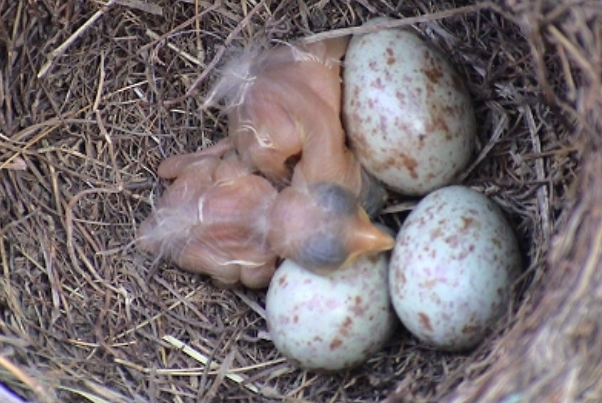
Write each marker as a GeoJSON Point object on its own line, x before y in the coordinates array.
{"type": "Point", "coordinates": [218, 219]}
{"type": "Point", "coordinates": [212, 220]}
{"type": "Point", "coordinates": [291, 92]}
{"type": "Point", "coordinates": [284, 107]}
{"type": "Point", "coordinates": [284, 121]}
{"type": "Point", "coordinates": [221, 219]}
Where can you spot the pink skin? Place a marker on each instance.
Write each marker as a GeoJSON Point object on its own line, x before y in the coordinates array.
{"type": "Point", "coordinates": [221, 218]}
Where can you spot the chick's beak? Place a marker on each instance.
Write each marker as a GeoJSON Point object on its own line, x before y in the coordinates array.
{"type": "Point", "coordinates": [366, 239]}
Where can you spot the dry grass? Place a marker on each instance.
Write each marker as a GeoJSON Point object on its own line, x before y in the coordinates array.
{"type": "Point", "coordinates": [94, 95]}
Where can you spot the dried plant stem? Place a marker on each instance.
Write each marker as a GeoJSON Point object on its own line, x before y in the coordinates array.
{"type": "Point", "coordinates": [402, 22]}
{"type": "Point", "coordinates": [39, 389]}
{"type": "Point", "coordinates": [80, 31]}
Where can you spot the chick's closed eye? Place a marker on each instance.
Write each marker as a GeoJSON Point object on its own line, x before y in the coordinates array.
{"type": "Point", "coordinates": [334, 198]}
{"type": "Point", "coordinates": [323, 251]}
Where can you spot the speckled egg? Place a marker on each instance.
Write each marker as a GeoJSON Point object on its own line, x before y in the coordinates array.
{"type": "Point", "coordinates": [407, 112]}
{"type": "Point", "coordinates": [452, 268]}
{"type": "Point", "coordinates": [333, 321]}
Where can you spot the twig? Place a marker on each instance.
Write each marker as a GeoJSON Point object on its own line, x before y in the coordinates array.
{"type": "Point", "coordinates": [578, 57]}
{"type": "Point", "coordinates": [400, 207]}
{"type": "Point", "coordinates": [65, 45]}
{"type": "Point", "coordinates": [337, 33]}
{"type": "Point", "coordinates": [543, 197]}
{"type": "Point", "coordinates": [36, 387]}
{"type": "Point", "coordinates": [500, 127]}
{"type": "Point", "coordinates": [156, 316]}
{"type": "Point", "coordinates": [196, 355]}
{"type": "Point", "coordinates": [218, 56]}
{"type": "Point", "coordinates": [176, 49]}
{"type": "Point", "coordinates": [259, 310]}
{"type": "Point", "coordinates": [71, 242]}
{"type": "Point", "coordinates": [181, 26]}
{"type": "Point", "coordinates": [54, 123]}
{"type": "Point", "coordinates": [17, 164]}
{"type": "Point", "coordinates": [101, 126]}
{"type": "Point", "coordinates": [142, 6]}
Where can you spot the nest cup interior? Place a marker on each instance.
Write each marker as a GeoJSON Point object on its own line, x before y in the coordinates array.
{"type": "Point", "coordinates": [83, 128]}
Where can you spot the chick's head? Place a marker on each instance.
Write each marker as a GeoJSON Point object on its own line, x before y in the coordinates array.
{"type": "Point", "coordinates": [322, 227]}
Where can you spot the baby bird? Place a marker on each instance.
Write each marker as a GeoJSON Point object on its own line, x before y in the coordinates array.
{"type": "Point", "coordinates": [321, 227]}
{"type": "Point", "coordinates": [219, 219]}
{"type": "Point", "coordinates": [213, 220]}
{"type": "Point", "coordinates": [261, 89]}
{"type": "Point", "coordinates": [284, 107]}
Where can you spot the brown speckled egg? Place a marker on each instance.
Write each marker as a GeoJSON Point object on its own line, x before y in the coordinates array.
{"type": "Point", "coordinates": [333, 321]}
{"type": "Point", "coordinates": [452, 268]}
{"type": "Point", "coordinates": [407, 112]}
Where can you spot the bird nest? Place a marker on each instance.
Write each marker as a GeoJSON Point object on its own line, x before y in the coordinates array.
{"type": "Point", "coordinates": [94, 94]}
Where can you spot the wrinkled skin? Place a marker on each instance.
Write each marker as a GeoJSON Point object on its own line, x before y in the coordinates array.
{"type": "Point", "coordinates": [211, 220]}
{"type": "Point", "coordinates": [219, 219]}
{"type": "Point", "coordinates": [285, 106]}
{"type": "Point", "coordinates": [225, 217]}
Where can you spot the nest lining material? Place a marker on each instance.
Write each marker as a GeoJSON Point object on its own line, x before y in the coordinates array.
{"type": "Point", "coordinates": [94, 95]}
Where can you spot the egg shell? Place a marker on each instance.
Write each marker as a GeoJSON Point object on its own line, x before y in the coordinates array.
{"type": "Point", "coordinates": [407, 113]}
{"type": "Point", "coordinates": [452, 268]}
{"type": "Point", "coordinates": [333, 321]}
